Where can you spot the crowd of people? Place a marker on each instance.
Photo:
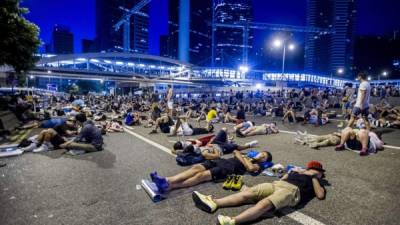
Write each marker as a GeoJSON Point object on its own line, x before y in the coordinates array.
{"type": "Point", "coordinates": [77, 123]}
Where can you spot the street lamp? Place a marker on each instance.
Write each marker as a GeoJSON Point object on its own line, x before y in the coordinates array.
{"type": "Point", "coordinates": [340, 71]}
{"type": "Point", "coordinates": [384, 73]}
{"type": "Point", "coordinates": [277, 44]}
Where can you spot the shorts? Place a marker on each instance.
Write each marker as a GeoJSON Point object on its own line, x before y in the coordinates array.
{"type": "Point", "coordinates": [228, 147]}
{"type": "Point", "coordinates": [280, 193]}
{"type": "Point", "coordinates": [56, 141]}
{"type": "Point", "coordinates": [357, 111]}
{"type": "Point", "coordinates": [170, 104]}
{"type": "Point", "coordinates": [218, 169]}
{"type": "Point", "coordinates": [355, 144]}
{"type": "Point", "coordinates": [164, 127]}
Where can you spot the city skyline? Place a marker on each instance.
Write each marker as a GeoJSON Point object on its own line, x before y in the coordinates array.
{"type": "Point", "coordinates": [70, 13]}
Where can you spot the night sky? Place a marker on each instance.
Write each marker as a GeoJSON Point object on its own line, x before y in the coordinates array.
{"type": "Point", "coordinates": [375, 17]}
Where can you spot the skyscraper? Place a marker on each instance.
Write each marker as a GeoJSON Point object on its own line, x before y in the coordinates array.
{"type": "Point", "coordinates": [108, 14]}
{"type": "Point", "coordinates": [328, 53]}
{"type": "Point", "coordinates": [342, 42]}
{"type": "Point", "coordinates": [88, 46]}
{"type": "Point", "coordinates": [229, 41]}
{"type": "Point", "coordinates": [199, 32]}
{"type": "Point", "coordinates": [62, 40]}
{"type": "Point", "coordinates": [317, 49]}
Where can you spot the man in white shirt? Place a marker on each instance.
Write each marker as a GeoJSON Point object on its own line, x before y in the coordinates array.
{"type": "Point", "coordinates": [362, 102]}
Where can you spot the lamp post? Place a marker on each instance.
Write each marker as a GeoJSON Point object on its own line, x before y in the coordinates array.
{"type": "Point", "coordinates": [284, 43]}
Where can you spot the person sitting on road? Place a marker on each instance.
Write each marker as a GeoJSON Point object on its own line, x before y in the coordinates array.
{"type": "Point", "coordinates": [296, 187]}
{"type": "Point", "coordinates": [89, 139]}
{"type": "Point", "coordinates": [182, 127]}
{"type": "Point", "coordinates": [361, 140]}
{"type": "Point", "coordinates": [164, 123]}
{"type": "Point", "coordinates": [263, 129]}
{"type": "Point", "coordinates": [212, 170]}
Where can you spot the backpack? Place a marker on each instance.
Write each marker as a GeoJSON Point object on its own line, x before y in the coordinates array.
{"type": "Point", "coordinates": [188, 158]}
{"type": "Point", "coordinates": [129, 119]}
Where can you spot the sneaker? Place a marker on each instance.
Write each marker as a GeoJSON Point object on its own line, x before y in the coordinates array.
{"type": "Point", "coordinates": [204, 202]}
{"type": "Point", "coordinates": [227, 185]}
{"type": "Point", "coordinates": [364, 152]}
{"type": "Point", "coordinates": [339, 148]}
{"type": "Point", "coordinates": [225, 220]}
{"type": "Point", "coordinates": [252, 144]}
{"type": "Point", "coordinates": [299, 141]}
{"type": "Point", "coordinates": [30, 147]}
{"type": "Point", "coordinates": [237, 183]}
{"type": "Point", "coordinates": [160, 182]}
{"type": "Point", "coordinates": [43, 148]}
{"type": "Point", "coordinates": [340, 125]}
{"type": "Point", "coordinates": [74, 152]}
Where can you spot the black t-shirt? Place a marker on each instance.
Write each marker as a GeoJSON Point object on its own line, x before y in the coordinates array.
{"type": "Point", "coordinates": [304, 183]}
{"type": "Point", "coordinates": [232, 164]}
{"type": "Point", "coordinates": [61, 129]}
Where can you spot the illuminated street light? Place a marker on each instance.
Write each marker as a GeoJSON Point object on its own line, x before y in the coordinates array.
{"type": "Point", "coordinates": [292, 47]}
{"type": "Point", "coordinates": [258, 86]}
{"type": "Point", "coordinates": [385, 73]}
{"type": "Point", "coordinates": [369, 78]}
{"type": "Point", "coordinates": [277, 43]}
{"type": "Point", "coordinates": [243, 69]}
{"type": "Point", "coordinates": [340, 71]}
{"type": "Point", "coordinates": [48, 71]}
{"type": "Point", "coordinates": [31, 77]}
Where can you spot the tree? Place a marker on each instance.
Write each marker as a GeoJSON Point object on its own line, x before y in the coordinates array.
{"type": "Point", "coordinates": [18, 40]}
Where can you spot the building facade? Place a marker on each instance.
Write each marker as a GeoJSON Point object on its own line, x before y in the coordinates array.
{"type": "Point", "coordinates": [229, 44]}
{"type": "Point", "coordinates": [62, 41]}
{"type": "Point", "coordinates": [199, 39]}
{"type": "Point", "coordinates": [329, 53]}
{"type": "Point", "coordinates": [108, 14]}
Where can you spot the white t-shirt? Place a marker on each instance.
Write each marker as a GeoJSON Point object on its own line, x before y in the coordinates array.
{"type": "Point", "coordinates": [364, 86]}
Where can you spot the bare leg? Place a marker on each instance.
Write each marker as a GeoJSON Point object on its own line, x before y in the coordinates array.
{"type": "Point", "coordinates": [346, 133]}
{"type": "Point", "coordinates": [192, 181]}
{"type": "Point", "coordinates": [254, 212]}
{"type": "Point", "coordinates": [364, 138]}
{"type": "Point", "coordinates": [244, 197]}
{"type": "Point", "coordinates": [351, 121]}
{"type": "Point", "coordinates": [186, 174]}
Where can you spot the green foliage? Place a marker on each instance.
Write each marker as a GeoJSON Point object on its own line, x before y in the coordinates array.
{"type": "Point", "coordinates": [19, 38]}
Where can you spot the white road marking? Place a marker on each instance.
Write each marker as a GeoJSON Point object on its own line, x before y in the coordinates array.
{"type": "Point", "coordinates": [161, 147]}
{"type": "Point", "coordinates": [302, 218]}
{"type": "Point", "coordinates": [294, 215]}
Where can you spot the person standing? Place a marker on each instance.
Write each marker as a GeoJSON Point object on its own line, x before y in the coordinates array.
{"type": "Point", "coordinates": [170, 101]}
{"type": "Point", "coordinates": [362, 102]}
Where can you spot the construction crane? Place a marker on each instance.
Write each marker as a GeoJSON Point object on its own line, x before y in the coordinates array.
{"type": "Point", "coordinates": [125, 20]}
{"type": "Point", "coordinates": [246, 26]}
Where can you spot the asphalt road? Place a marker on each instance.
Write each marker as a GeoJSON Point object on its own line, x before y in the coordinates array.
{"type": "Point", "coordinates": [101, 187]}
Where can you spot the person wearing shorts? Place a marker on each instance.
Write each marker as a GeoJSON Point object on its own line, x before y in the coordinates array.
{"type": "Point", "coordinates": [164, 123]}
{"type": "Point", "coordinates": [182, 127]}
{"type": "Point", "coordinates": [221, 142]}
{"type": "Point", "coordinates": [361, 140]}
{"type": "Point", "coordinates": [362, 103]}
{"type": "Point", "coordinates": [215, 170]}
{"type": "Point", "coordinates": [298, 186]}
